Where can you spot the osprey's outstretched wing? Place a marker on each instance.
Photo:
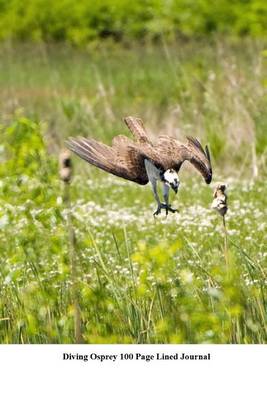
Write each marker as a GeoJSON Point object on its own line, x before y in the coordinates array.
{"type": "Point", "coordinates": [123, 159]}
{"type": "Point", "coordinates": [192, 151]}
{"type": "Point", "coordinates": [126, 158]}
{"type": "Point", "coordinates": [137, 128]}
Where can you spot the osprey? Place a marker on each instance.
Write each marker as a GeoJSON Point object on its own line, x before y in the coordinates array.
{"type": "Point", "coordinates": [142, 161]}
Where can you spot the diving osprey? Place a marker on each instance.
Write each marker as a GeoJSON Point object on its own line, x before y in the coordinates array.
{"type": "Point", "coordinates": [142, 161]}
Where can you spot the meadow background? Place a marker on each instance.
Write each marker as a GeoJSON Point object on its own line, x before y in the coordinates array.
{"type": "Point", "coordinates": [88, 262]}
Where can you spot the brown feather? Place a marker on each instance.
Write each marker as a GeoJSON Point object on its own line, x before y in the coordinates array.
{"type": "Point", "coordinates": [120, 140]}
{"type": "Point", "coordinates": [137, 128]}
{"type": "Point", "coordinates": [195, 143]}
{"type": "Point", "coordinates": [125, 162]}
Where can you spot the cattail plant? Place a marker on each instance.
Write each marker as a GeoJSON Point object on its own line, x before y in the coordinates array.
{"type": "Point", "coordinates": [220, 204]}
{"type": "Point", "coordinates": [65, 173]}
{"type": "Point", "coordinates": [65, 166]}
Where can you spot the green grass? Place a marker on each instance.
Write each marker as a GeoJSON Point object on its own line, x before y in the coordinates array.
{"type": "Point", "coordinates": [137, 279]}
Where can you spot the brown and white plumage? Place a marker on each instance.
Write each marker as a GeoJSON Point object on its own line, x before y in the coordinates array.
{"type": "Point", "coordinates": [129, 159]}
{"type": "Point", "coordinates": [125, 158]}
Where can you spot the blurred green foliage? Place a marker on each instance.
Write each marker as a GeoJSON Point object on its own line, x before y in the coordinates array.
{"type": "Point", "coordinates": [81, 21]}
{"type": "Point", "coordinates": [213, 90]}
{"type": "Point", "coordinates": [23, 157]}
{"type": "Point", "coordinates": [24, 148]}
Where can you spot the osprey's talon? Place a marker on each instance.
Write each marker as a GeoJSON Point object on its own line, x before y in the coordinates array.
{"type": "Point", "coordinates": [165, 207]}
{"type": "Point", "coordinates": [173, 210]}
{"type": "Point", "coordinates": [169, 208]}
{"type": "Point", "coordinates": [158, 210]}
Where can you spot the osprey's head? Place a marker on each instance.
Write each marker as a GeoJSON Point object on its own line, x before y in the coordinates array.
{"type": "Point", "coordinates": [170, 177]}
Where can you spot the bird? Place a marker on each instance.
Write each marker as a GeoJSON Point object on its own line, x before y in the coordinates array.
{"type": "Point", "coordinates": [142, 161]}
{"type": "Point", "coordinates": [220, 199]}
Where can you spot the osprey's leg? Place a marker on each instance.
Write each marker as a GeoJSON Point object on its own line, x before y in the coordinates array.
{"type": "Point", "coordinates": [153, 174]}
{"type": "Point", "coordinates": [155, 193]}
{"type": "Point", "coordinates": [167, 206]}
{"type": "Point", "coordinates": [166, 190]}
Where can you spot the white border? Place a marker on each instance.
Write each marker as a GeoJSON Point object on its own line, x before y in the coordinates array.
{"type": "Point", "coordinates": [39, 372]}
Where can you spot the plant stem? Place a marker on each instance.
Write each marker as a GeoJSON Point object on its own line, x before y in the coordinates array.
{"type": "Point", "coordinates": [226, 254]}
{"type": "Point", "coordinates": [254, 161]}
{"type": "Point", "coordinates": [72, 242]}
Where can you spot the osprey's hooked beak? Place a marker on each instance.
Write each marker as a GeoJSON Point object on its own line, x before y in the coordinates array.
{"type": "Point", "coordinates": [175, 186]}
{"type": "Point", "coordinates": [208, 179]}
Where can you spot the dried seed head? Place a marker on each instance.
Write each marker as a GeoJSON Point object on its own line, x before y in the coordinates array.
{"type": "Point", "coordinates": [220, 189]}
{"type": "Point", "coordinates": [220, 199]}
{"type": "Point", "coordinates": [65, 166]}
